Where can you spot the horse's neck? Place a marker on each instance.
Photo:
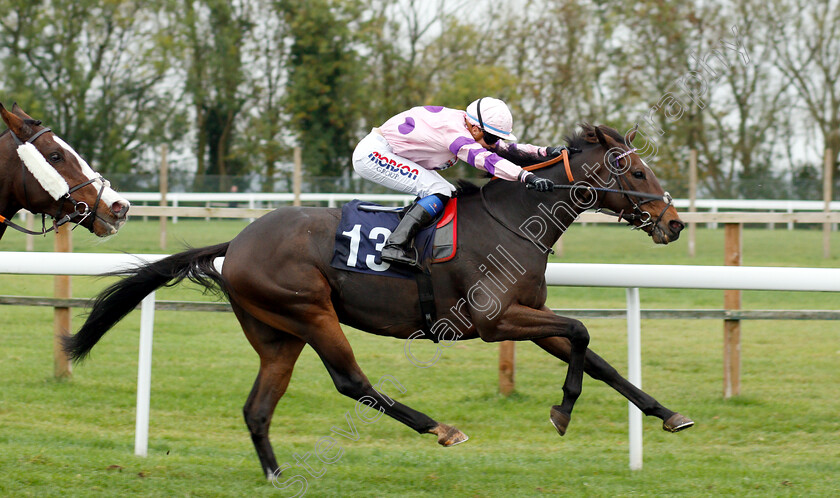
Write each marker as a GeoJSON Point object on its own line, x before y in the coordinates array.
{"type": "Point", "coordinates": [9, 204]}
{"type": "Point", "coordinates": [540, 217]}
{"type": "Point", "coordinates": [7, 207]}
{"type": "Point", "coordinates": [7, 200]}
{"type": "Point", "coordinates": [560, 210]}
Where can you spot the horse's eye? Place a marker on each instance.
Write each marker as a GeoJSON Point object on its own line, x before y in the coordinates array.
{"type": "Point", "coordinates": [55, 157]}
{"type": "Point", "coordinates": [639, 174]}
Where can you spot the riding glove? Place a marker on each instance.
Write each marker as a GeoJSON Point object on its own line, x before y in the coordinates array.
{"type": "Point", "coordinates": [557, 150]}
{"type": "Point", "coordinates": [538, 183]}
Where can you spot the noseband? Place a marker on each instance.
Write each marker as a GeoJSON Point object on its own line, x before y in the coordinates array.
{"type": "Point", "coordinates": [80, 208]}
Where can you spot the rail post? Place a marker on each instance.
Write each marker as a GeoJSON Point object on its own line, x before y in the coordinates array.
{"type": "Point", "coordinates": [297, 176]}
{"type": "Point", "coordinates": [732, 328]}
{"type": "Point", "coordinates": [558, 248]}
{"type": "Point", "coordinates": [30, 225]}
{"type": "Point", "coordinates": [144, 375]}
{"type": "Point", "coordinates": [827, 194]}
{"type": "Point", "coordinates": [634, 374]}
{"type": "Point", "coordinates": [692, 201]}
{"type": "Point", "coordinates": [61, 315]}
{"type": "Point", "coordinates": [507, 368]}
{"type": "Point", "coordinates": [164, 186]}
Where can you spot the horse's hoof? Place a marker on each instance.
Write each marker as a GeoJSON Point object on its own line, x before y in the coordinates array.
{"type": "Point", "coordinates": [448, 435]}
{"type": "Point", "coordinates": [559, 420]}
{"type": "Point", "coordinates": [676, 423]}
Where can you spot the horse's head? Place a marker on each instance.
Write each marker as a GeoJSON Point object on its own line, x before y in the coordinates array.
{"type": "Point", "coordinates": [625, 183]}
{"type": "Point", "coordinates": [51, 178]}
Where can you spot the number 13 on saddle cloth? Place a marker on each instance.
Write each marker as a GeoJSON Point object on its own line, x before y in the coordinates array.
{"type": "Point", "coordinates": [361, 235]}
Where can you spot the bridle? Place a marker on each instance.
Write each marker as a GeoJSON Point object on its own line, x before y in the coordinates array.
{"type": "Point", "coordinates": [80, 208]}
{"type": "Point", "coordinates": [644, 217]}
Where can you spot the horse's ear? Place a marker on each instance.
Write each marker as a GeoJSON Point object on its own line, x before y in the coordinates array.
{"type": "Point", "coordinates": [19, 111]}
{"type": "Point", "coordinates": [628, 139]}
{"type": "Point", "coordinates": [589, 133]}
{"type": "Point", "coordinates": [13, 121]}
{"type": "Point", "coordinates": [601, 138]}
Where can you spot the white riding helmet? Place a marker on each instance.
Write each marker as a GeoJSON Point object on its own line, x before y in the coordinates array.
{"type": "Point", "coordinates": [493, 116]}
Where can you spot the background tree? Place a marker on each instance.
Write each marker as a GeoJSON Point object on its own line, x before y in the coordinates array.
{"type": "Point", "coordinates": [95, 73]}
{"type": "Point", "coordinates": [213, 32]}
{"type": "Point", "coordinates": [547, 45]}
{"type": "Point", "coordinates": [323, 95]}
{"type": "Point", "coordinates": [264, 127]}
{"type": "Point", "coordinates": [807, 49]}
{"type": "Point", "coordinates": [242, 83]}
{"type": "Point", "coordinates": [751, 117]}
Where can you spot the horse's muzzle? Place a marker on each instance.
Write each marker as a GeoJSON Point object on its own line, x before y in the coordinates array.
{"type": "Point", "coordinates": [665, 233]}
{"type": "Point", "coordinates": [111, 218]}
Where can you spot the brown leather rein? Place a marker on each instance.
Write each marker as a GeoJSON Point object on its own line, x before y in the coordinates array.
{"type": "Point", "coordinates": [564, 156]}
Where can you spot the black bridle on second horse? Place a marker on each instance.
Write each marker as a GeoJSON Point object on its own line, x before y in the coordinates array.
{"type": "Point", "coordinates": [643, 217]}
{"type": "Point", "coordinates": [80, 208]}
{"type": "Point", "coordinates": [643, 197]}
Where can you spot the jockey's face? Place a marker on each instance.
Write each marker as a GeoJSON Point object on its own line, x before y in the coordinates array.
{"type": "Point", "coordinates": [486, 140]}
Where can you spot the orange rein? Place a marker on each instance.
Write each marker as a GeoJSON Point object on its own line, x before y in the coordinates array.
{"type": "Point", "coordinates": [564, 156]}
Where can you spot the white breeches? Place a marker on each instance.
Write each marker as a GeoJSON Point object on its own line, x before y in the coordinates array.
{"type": "Point", "coordinates": [374, 160]}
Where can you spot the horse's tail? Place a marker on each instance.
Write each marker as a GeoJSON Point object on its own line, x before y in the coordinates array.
{"type": "Point", "coordinates": [118, 300]}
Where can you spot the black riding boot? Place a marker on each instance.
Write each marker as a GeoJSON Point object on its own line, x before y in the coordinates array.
{"type": "Point", "coordinates": [399, 248]}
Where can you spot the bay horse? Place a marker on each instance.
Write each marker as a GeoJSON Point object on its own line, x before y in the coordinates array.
{"type": "Point", "coordinates": [41, 173]}
{"type": "Point", "coordinates": [286, 295]}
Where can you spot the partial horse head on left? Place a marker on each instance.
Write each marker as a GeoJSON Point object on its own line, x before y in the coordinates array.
{"type": "Point", "coordinates": [43, 174]}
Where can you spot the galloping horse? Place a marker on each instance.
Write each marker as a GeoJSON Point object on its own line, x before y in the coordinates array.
{"type": "Point", "coordinates": [37, 170]}
{"type": "Point", "coordinates": [285, 294]}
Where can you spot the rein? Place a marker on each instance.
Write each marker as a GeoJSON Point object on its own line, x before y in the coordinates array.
{"type": "Point", "coordinates": [564, 156]}
{"type": "Point", "coordinates": [637, 213]}
{"type": "Point", "coordinates": [44, 229]}
{"type": "Point", "coordinates": [57, 222]}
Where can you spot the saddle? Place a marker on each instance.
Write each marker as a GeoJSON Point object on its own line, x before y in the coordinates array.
{"type": "Point", "coordinates": [363, 230]}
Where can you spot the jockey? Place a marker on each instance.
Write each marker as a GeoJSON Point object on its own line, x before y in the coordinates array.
{"type": "Point", "coordinates": [404, 153]}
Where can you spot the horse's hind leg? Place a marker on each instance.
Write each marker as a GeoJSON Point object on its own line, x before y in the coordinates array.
{"type": "Point", "coordinates": [329, 342]}
{"type": "Point", "coordinates": [598, 368]}
{"type": "Point", "coordinates": [278, 353]}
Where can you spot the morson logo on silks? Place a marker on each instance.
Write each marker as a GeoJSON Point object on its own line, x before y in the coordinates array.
{"type": "Point", "coordinates": [391, 165]}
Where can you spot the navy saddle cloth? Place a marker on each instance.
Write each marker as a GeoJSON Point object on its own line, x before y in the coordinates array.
{"type": "Point", "coordinates": [361, 235]}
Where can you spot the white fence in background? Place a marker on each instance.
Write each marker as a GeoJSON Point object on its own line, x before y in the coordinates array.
{"type": "Point", "coordinates": [258, 200]}
{"type": "Point", "coordinates": [590, 275]}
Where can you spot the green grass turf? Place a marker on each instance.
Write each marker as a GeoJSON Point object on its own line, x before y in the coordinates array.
{"type": "Point", "coordinates": [780, 437]}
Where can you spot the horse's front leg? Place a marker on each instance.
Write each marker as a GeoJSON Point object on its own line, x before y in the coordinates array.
{"type": "Point", "coordinates": [598, 368]}
{"type": "Point", "coordinates": [521, 323]}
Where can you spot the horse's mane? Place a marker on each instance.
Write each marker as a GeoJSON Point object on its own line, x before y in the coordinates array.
{"type": "Point", "coordinates": [465, 188]}
{"type": "Point", "coordinates": [579, 138]}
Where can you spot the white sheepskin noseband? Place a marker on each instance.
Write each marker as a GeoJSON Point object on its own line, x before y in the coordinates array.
{"type": "Point", "coordinates": [47, 176]}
